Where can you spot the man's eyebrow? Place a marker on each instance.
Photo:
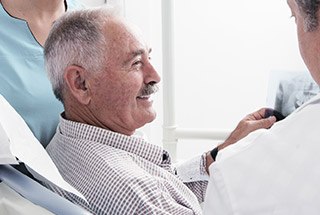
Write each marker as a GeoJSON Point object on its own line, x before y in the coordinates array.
{"type": "Point", "coordinates": [139, 52]}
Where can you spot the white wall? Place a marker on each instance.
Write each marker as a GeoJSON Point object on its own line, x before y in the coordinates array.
{"type": "Point", "coordinates": [225, 51]}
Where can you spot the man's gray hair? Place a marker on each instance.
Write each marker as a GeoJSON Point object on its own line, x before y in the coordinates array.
{"type": "Point", "coordinates": [77, 38]}
{"type": "Point", "coordinates": [309, 9]}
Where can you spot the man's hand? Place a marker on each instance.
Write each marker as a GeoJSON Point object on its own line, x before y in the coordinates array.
{"type": "Point", "coordinates": [250, 123]}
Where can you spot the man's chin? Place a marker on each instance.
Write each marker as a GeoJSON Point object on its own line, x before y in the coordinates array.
{"type": "Point", "coordinates": [150, 117]}
{"type": "Point", "coordinates": [143, 116]}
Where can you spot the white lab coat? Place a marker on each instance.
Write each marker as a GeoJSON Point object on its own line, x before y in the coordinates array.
{"type": "Point", "coordinates": [271, 172]}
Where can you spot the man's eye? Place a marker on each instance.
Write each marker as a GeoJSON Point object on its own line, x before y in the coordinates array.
{"type": "Point", "coordinates": [137, 63]}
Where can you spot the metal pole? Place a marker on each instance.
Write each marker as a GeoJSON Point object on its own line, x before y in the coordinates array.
{"type": "Point", "coordinates": [169, 124]}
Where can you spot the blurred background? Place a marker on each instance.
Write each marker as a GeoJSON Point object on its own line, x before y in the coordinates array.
{"type": "Point", "coordinates": [225, 52]}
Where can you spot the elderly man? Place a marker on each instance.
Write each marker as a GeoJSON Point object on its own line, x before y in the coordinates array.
{"type": "Point", "coordinates": [277, 171]}
{"type": "Point", "coordinates": [100, 69]}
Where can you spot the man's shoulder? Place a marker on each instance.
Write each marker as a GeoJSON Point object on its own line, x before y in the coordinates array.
{"type": "Point", "coordinates": [118, 183]}
{"type": "Point", "coordinates": [108, 167]}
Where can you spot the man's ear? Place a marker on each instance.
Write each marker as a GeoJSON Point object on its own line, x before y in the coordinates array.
{"type": "Point", "coordinates": [76, 79]}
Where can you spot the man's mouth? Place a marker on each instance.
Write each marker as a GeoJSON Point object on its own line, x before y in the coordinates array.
{"type": "Point", "coordinates": [147, 92]}
{"type": "Point", "coordinates": [144, 97]}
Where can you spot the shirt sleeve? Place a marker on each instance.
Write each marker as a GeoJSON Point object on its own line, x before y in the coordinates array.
{"type": "Point", "coordinates": [192, 170]}
{"type": "Point", "coordinates": [194, 175]}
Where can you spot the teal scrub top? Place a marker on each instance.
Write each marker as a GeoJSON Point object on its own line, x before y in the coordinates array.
{"type": "Point", "coordinates": [23, 79]}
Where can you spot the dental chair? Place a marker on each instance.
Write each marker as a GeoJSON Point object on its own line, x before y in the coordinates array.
{"type": "Point", "coordinates": [20, 191]}
{"type": "Point", "coordinates": [36, 193]}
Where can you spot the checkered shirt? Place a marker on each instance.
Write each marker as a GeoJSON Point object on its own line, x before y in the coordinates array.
{"type": "Point", "coordinates": [120, 174]}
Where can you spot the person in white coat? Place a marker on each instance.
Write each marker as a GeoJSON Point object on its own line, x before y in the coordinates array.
{"type": "Point", "coordinates": [276, 171]}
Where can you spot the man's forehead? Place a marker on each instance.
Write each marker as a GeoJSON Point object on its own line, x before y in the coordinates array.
{"type": "Point", "coordinates": [290, 3]}
{"type": "Point", "coordinates": [119, 28]}
{"type": "Point", "coordinates": [122, 36]}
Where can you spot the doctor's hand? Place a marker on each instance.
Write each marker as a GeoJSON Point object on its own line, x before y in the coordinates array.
{"type": "Point", "coordinates": [248, 124]}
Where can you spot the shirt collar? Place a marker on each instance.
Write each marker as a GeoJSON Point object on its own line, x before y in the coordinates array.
{"type": "Point", "coordinates": [131, 144]}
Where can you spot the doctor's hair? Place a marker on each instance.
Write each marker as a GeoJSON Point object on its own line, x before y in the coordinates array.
{"type": "Point", "coordinates": [309, 9]}
{"type": "Point", "coordinates": [76, 38]}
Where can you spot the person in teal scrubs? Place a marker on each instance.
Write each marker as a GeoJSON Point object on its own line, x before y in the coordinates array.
{"type": "Point", "coordinates": [24, 27]}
